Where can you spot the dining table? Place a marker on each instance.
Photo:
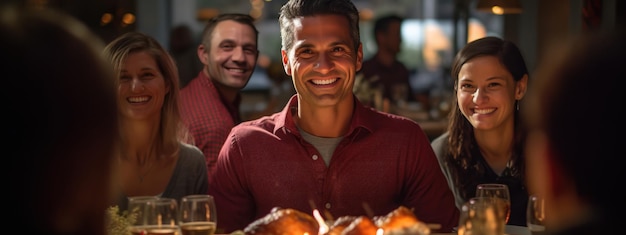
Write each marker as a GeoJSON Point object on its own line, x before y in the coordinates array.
{"type": "Point", "coordinates": [432, 127]}
{"type": "Point", "coordinates": [432, 124]}
{"type": "Point", "coordinates": [508, 230]}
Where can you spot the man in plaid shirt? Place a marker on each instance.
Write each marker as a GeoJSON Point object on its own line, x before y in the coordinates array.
{"type": "Point", "coordinates": [210, 102]}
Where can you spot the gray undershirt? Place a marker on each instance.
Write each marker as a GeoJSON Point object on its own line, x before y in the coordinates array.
{"type": "Point", "coordinates": [326, 146]}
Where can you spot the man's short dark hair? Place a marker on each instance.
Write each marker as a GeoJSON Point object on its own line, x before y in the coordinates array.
{"type": "Point", "coordinates": [299, 8]}
{"type": "Point", "coordinates": [381, 24]}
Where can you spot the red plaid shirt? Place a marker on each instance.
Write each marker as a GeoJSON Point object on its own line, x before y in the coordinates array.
{"type": "Point", "coordinates": [208, 116]}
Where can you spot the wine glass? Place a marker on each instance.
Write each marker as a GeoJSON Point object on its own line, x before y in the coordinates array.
{"type": "Point", "coordinates": [137, 208]}
{"type": "Point", "coordinates": [535, 214]}
{"type": "Point", "coordinates": [197, 215]}
{"type": "Point", "coordinates": [160, 217]}
{"type": "Point", "coordinates": [482, 215]}
{"type": "Point", "coordinates": [499, 191]}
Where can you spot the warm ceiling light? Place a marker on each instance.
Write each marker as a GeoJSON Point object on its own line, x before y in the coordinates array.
{"type": "Point", "coordinates": [500, 7]}
{"type": "Point", "coordinates": [106, 18]}
{"type": "Point", "coordinates": [366, 14]}
{"type": "Point", "coordinates": [204, 14]}
{"type": "Point", "coordinates": [128, 19]}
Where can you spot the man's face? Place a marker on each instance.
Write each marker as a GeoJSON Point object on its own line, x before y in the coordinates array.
{"type": "Point", "coordinates": [322, 61]}
{"type": "Point", "coordinates": [233, 54]}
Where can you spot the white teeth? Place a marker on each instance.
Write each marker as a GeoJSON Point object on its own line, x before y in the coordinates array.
{"type": "Point", "coordinates": [324, 82]}
{"type": "Point", "coordinates": [138, 99]}
{"type": "Point", "coordinates": [236, 70]}
{"type": "Point", "coordinates": [483, 111]}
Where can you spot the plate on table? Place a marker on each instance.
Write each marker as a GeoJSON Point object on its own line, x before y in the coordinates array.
{"type": "Point", "coordinates": [516, 230]}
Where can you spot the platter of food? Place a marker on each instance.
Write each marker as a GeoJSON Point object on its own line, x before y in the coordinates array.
{"type": "Point", "coordinates": [286, 221]}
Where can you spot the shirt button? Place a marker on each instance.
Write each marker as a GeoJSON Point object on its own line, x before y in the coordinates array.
{"type": "Point", "coordinates": [327, 205]}
{"type": "Point", "coordinates": [314, 157]}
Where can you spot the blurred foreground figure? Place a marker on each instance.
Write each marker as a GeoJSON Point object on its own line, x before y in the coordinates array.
{"type": "Point", "coordinates": [572, 153]}
{"type": "Point", "coordinates": [62, 121]}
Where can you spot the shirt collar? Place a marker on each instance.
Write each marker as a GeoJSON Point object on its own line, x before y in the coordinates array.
{"type": "Point", "coordinates": [362, 119]}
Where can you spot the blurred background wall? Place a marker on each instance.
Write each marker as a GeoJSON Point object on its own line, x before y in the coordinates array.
{"type": "Point", "coordinates": [432, 32]}
{"type": "Point", "coordinates": [539, 24]}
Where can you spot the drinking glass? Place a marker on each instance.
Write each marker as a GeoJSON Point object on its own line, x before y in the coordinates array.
{"type": "Point", "coordinates": [535, 214]}
{"type": "Point", "coordinates": [399, 95]}
{"type": "Point", "coordinates": [137, 208]}
{"type": "Point", "coordinates": [496, 190]}
{"type": "Point", "coordinates": [482, 215]}
{"type": "Point", "coordinates": [160, 217]}
{"type": "Point", "coordinates": [197, 215]}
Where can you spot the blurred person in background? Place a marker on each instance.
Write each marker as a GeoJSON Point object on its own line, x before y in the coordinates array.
{"type": "Point", "coordinates": [154, 157]}
{"type": "Point", "coordinates": [573, 153]}
{"type": "Point", "coordinates": [60, 123]}
{"type": "Point", "coordinates": [210, 103]}
{"type": "Point", "coordinates": [183, 51]}
{"type": "Point", "coordinates": [325, 150]}
{"type": "Point", "coordinates": [485, 138]}
{"type": "Point", "coordinates": [383, 70]}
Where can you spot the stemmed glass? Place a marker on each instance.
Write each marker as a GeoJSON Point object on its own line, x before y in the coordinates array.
{"type": "Point", "coordinates": [137, 208]}
{"type": "Point", "coordinates": [197, 215]}
{"type": "Point", "coordinates": [159, 216]}
{"type": "Point", "coordinates": [536, 214]}
{"type": "Point", "coordinates": [498, 191]}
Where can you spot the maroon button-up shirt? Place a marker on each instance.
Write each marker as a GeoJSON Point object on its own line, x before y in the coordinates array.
{"type": "Point", "coordinates": [383, 162]}
{"type": "Point", "coordinates": [208, 116]}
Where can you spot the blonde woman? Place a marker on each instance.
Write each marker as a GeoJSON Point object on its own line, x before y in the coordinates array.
{"type": "Point", "coordinates": [153, 157]}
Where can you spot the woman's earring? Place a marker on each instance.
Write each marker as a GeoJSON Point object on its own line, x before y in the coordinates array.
{"type": "Point", "coordinates": [517, 105]}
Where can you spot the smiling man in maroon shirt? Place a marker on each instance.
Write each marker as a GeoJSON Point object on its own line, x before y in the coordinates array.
{"type": "Point", "coordinates": [210, 103]}
{"type": "Point", "coordinates": [326, 150]}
